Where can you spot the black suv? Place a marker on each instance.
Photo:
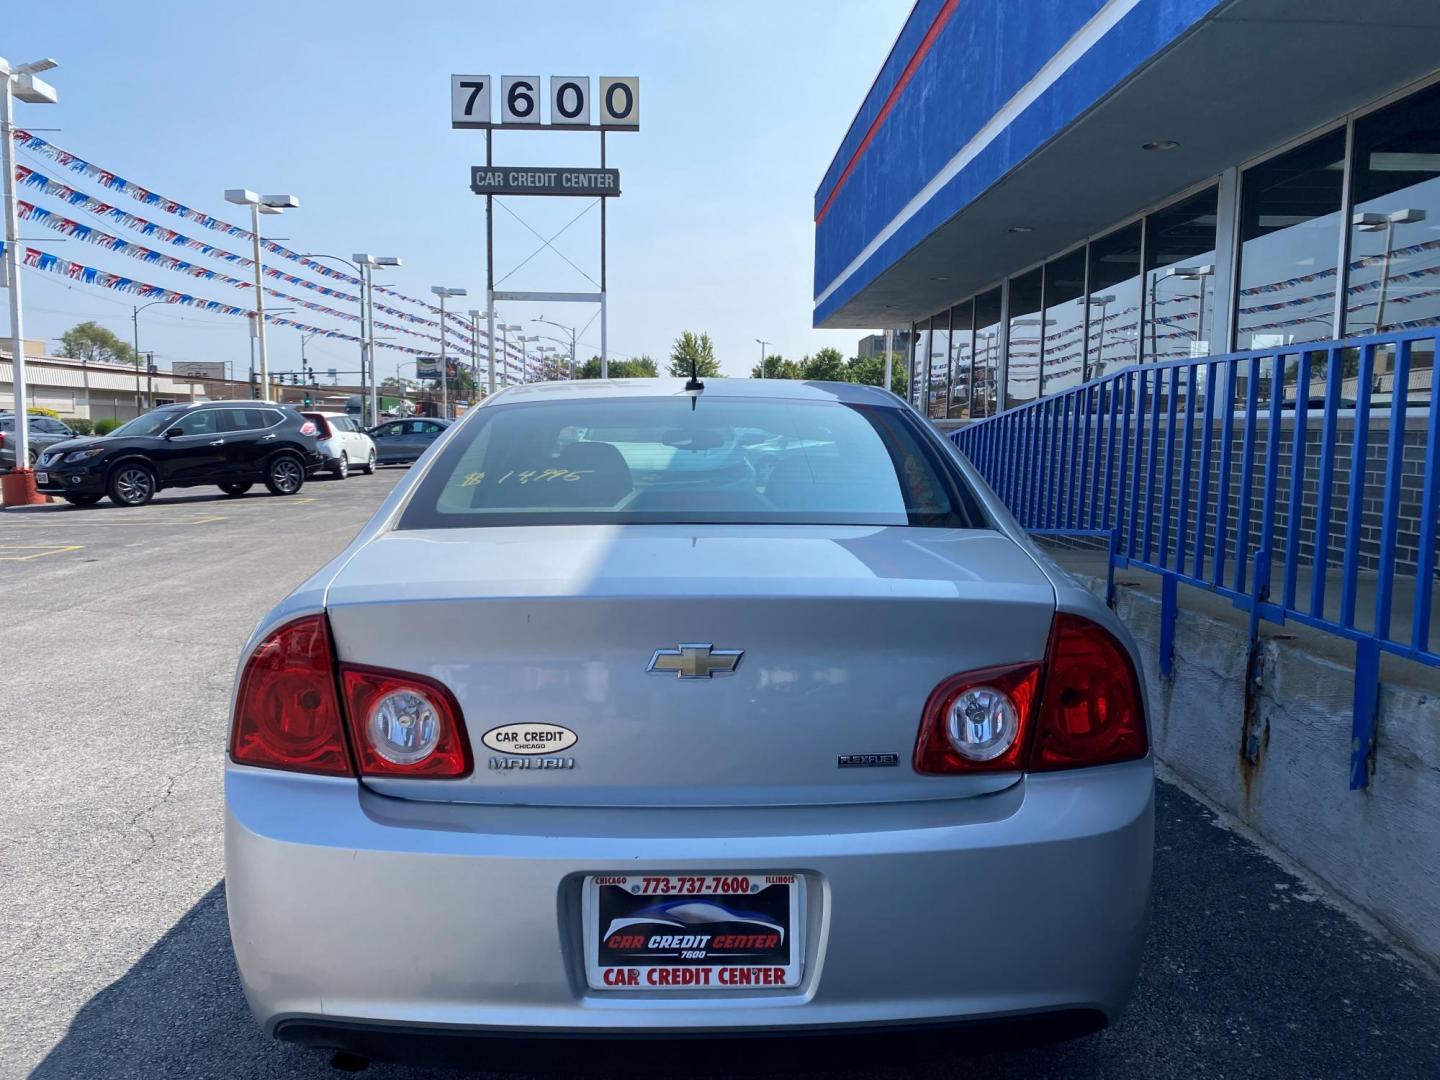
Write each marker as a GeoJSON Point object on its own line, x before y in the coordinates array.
{"type": "Point", "coordinates": [232, 444]}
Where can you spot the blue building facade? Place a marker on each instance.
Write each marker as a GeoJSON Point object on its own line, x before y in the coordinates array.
{"type": "Point", "coordinates": [1047, 190]}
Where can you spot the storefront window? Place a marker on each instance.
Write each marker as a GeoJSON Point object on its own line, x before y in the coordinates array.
{"type": "Point", "coordinates": [1114, 301]}
{"type": "Point", "coordinates": [984, 394]}
{"type": "Point", "coordinates": [1289, 233]}
{"type": "Point", "coordinates": [961, 333]}
{"type": "Point", "coordinates": [1180, 279]}
{"type": "Point", "coordinates": [1023, 369]}
{"type": "Point", "coordinates": [1395, 230]}
{"type": "Point", "coordinates": [1064, 353]}
{"type": "Point", "coordinates": [939, 353]}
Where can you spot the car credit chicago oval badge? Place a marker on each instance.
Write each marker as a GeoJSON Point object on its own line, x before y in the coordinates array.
{"type": "Point", "coordinates": [530, 739]}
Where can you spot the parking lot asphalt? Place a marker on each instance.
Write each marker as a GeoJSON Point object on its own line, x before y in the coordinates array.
{"type": "Point", "coordinates": [119, 632]}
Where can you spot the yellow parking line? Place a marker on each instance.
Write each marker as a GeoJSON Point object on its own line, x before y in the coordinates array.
{"type": "Point", "coordinates": [37, 551]}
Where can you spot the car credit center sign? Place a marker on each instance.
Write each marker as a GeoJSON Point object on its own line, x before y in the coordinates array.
{"type": "Point", "coordinates": [514, 180]}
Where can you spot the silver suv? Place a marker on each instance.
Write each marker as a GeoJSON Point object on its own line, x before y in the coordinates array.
{"type": "Point", "coordinates": [44, 431]}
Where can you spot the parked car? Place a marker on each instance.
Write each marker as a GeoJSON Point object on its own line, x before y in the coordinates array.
{"type": "Point", "coordinates": [44, 431]}
{"type": "Point", "coordinates": [399, 442]}
{"type": "Point", "coordinates": [343, 443]}
{"type": "Point", "coordinates": [591, 732]}
{"type": "Point", "coordinates": [233, 444]}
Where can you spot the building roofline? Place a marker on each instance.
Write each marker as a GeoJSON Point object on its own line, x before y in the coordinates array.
{"type": "Point", "coordinates": [865, 98]}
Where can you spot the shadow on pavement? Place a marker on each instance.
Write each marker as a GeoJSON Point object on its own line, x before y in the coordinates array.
{"type": "Point", "coordinates": [1246, 973]}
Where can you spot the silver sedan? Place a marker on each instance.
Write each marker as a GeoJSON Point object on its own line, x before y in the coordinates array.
{"type": "Point", "coordinates": [603, 725]}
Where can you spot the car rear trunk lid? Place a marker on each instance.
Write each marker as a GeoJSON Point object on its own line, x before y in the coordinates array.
{"type": "Point", "coordinates": [843, 632]}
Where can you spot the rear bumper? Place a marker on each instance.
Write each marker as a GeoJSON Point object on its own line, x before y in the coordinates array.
{"type": "Point", "coordinates": [350, 911]}
{"type": "Point", "coordinates": [806, 1050]}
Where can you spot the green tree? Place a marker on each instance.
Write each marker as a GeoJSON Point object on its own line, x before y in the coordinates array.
{"type": "Point", "coordinates": [396, 385]}
{"type": "Point", "coordinates": [641, 367]}
{"type": "Point", "coordinates": [91, 342]}
{"type": "Point", "coordinates": [697, 348]}
{"type": "Point", "coordinates": [870, 370]}
{"type": "Point", "coordinates": [776, 367]}
{"type": "Point", "coordinates": [827, 365]}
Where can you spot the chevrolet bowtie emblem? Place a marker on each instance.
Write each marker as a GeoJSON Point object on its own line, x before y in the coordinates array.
{"type": "Point", "coordinates": [695, 661]}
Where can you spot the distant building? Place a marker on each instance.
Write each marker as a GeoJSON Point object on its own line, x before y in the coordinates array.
{"type": "Point", "coordinates": [874, 344]}
{"type": "Point", "coordinates": [77, 390]}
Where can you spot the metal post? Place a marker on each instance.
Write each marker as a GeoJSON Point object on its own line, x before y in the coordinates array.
{"type": "Point", "coordinates": [474, 353]}
{"type": "Point", "coordinates": [12, 261]}
{"type": "Point", "coordinates": [1200, 314]}
{"type": "Point", "coordinates": [135, 322]}
{"type": "Point", "coordinates": [444, 371]}
{"type": "Point", "coordinates": [889, 341]}
{"type": "Point", "coordinates": [1384, 276]}
{"type": "Point", "coordinates": [369, 323]}
{"type": "Point", "coordinates": [490, 269]}
{"type": "Point", "coordinates": [260, 302]}
{"type": "Point", "coordinates": [149, 381]}
{"type": "Point", "coordinates": [604, 319]}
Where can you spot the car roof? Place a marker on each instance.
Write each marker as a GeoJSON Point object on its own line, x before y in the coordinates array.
{"type": "Point", "coordinates": [773, 389]}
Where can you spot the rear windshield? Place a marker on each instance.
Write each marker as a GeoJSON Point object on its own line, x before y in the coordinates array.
{"type": "Point", "coordinates": [662, 461]}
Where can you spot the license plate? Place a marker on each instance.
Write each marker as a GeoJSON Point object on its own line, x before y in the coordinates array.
{"type": "Point", "coordinates": [42, 477]}
{"type": "Point", "coordinates": [693, 932]}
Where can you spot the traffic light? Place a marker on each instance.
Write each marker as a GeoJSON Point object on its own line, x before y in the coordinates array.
{"type": "Point", "coordinates": [308, 401]}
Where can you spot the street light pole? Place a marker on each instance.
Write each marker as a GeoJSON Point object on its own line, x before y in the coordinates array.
{"type": "Point", "coordinates": [19, 82]}
{"type": "Point", "coordinates": [505, 329]}
{"type": "Point", "coordinates": [442, 292]}
{"type": "Point", "coordinates": [135, 325]}
{"type": "Point", "coordinates": [1371, 222]}
{"type": "Point", "coordinates": [763, 345]}
{"type": "Point", "coordinates": [260, 204]}
{"type": "Point", "coordinates": [474, 314]}
{"type": "Point", "coordinates": [571, 329]}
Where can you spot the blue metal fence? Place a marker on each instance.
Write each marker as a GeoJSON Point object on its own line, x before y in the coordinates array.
{"type": "Point", "coordinates": [1279, 478]}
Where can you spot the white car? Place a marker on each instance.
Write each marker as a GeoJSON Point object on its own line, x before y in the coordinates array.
{"type": "Point", "coordinates": [343, 443]}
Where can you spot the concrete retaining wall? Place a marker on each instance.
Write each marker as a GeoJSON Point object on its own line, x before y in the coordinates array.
{"type": "Point", "coordinates": [1378, 848]}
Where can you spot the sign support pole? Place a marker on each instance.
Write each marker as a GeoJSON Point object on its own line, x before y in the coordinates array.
{"type": "Point", "coordinates": [490, 268]}
{"type": "Point", "coordinates": [604, 319]}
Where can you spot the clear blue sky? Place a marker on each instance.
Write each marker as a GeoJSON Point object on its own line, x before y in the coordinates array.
{"type": "Point", "coordinates": [346, 106]}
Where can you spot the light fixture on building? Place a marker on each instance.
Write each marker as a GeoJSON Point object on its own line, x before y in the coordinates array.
{"type": "Point", "coordinates": [1160, 144]}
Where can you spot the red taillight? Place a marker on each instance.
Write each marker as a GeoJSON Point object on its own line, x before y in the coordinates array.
{"type": "Point", "coordinates": [287, 714]}
{"type": "Point", "coordinates": [404, 725]}
{"type": "Point", "coordinates": [1092, 712]}
{"type": "Point", "coordinates": [1082, 706]}
{"type": "Point", "coordinates": [308, 428]}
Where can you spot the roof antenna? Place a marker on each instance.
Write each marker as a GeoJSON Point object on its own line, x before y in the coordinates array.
{"type": "Point", "coordinates": [694, 386]}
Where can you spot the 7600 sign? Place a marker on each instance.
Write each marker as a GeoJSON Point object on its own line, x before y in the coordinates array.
{"type": "Point", "coordinates": [570, 104]}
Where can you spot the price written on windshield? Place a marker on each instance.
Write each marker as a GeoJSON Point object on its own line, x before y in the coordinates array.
{"type": "Point", "coordinates": [569, 103]}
